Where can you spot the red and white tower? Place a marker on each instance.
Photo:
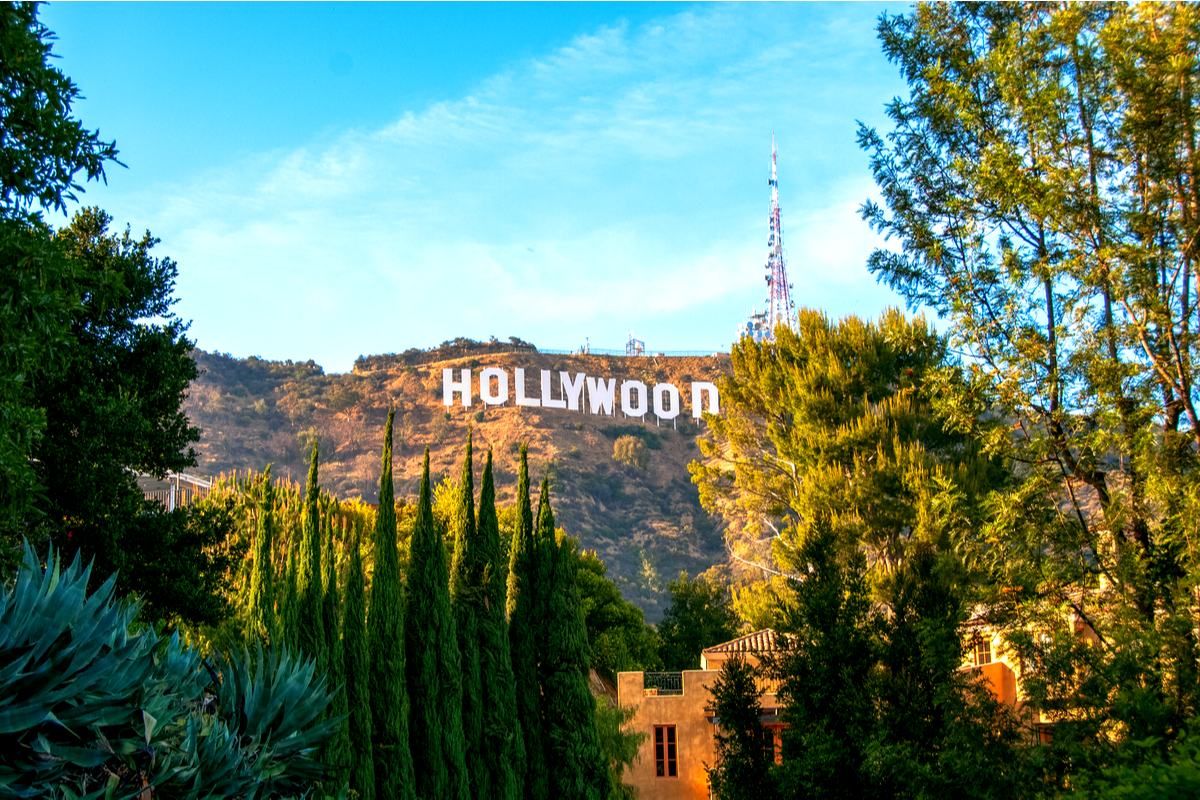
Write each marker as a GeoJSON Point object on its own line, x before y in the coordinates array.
{"type": "Point", "coordinates": [781, 309]}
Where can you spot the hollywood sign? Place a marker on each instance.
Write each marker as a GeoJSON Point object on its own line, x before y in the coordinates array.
{"type": "Point", "coordinates": [579, 392]}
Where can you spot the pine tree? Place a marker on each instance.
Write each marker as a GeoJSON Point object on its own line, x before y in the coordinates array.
{"type": "Point", "coordinates": [466, 599]}
{"type": "Point", "coordinates": [522, 637]}
{"type": "Point", "coordinates": [310, 630]}
{"type": "Point", "coordinates": [577, 765]}
{"type": "Point", "coordinates": [263, 622]}
{"type": "Point", "coordinates": [357, 667]}
{"type": "Point", "coordinates": [434, 670]}
{"type": "Point", "coordinates": [337, 750]}
{"type": "Point", "coordinates": [502, 763]}
{"type": "Point", "coordinates": [385, 624]}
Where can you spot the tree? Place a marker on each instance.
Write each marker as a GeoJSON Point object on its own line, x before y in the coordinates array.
{"type": "Point", "coordinates": [337, 750]}
{"type": "Point", "coordinates": [502, 754]}
{"type": "Point", "coordinates": [43, 147]}
{"type": "Point", "coordinates": [619, 745]}
{"type": "Point", "coordinates": [619, 640]}
{"type": "Point", "coordinates": [825, 672]}
{"type": "Point", "coordinates": [699, 616]}
{"type": "Point", "coordinates": [358, 664]}
{"type": "Point", "coordinates": [394, 777]}
{"type": "Point", "coordinates": [741, 763]}
{"type": "Point", "coordinates": [310, 628]}
{"type": "Point", "coordinates": [522, 635]}
{"type": "Point", "coordinates": [1040, 183]}
{"type": "Point", "coordinates": [433, 664]}
{"type": "Point", "coordinates": [263, 623]}
{"type": "Point", "coordinates": [466, 580]}
{"type": "Point", "coordinates": [577, 765]}
{"type": "Point", "coordinates": [112, 403]}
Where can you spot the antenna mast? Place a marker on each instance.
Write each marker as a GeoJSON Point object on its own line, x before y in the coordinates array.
{"type": "Point", "coordinates": [781, 310]}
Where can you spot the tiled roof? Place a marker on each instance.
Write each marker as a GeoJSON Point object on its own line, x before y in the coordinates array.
{"type": "Point", "coordinates": [758, 642]}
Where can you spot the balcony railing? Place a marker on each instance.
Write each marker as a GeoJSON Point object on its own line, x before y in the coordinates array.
{"type": "Point", "coordinates": [660, 684]}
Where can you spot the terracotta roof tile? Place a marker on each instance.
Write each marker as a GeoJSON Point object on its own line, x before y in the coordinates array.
{"type": "Point", "coordinates": [758, 642]}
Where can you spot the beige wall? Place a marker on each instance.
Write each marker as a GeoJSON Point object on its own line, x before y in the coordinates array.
{"type": "Point", "coordinates": [694, 735]}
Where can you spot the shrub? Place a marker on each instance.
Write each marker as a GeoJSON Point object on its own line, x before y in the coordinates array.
{"type": "Point", "coordinates": [632, 452]}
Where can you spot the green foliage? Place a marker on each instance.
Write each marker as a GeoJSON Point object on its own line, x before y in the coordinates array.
{"type": "Point", "coordinates": [263, 623]}
{"type": "Point", "coordinates": [432, 660]}
{"type": "Point", "coordinates": [700, 615]}
{"type": "Point", "coordinates": [523, 623]}
{"type": "Point", "coordinates": [642, 432]}
{"type": "Point", "coordinates": [386, 626]}
{"type": "Point", "coordinates": [112, 397]}
{"type": "Point", "coordinates": [619, 639]}
{"type": "Point", "coordinates": [1145, 772]}
{"type": "Point", "coordinates": [501, 767]}
{"type": "Point", "coordinates": [741, 769]}
{"type": "Point", "coordinates": [42, 147]}
{"type": "Point", "coordinates": [337, 751]}
{"type": "Point", "coordinates": [1039, 181]}
{"type": "Point", "coordinates": [466, 578]}
{"type": "Point", "coordinates": [577, 765]}
{"type": "Point", "coordinates": [619, 745]}
{"type": "Point", "coordinates": [825, 673]}
{"type": "Point", "coordinates": [310, 627]}
{"type": "Point", "coordinates": [358, 665]}
{"type": "Point", "coordinates": [89, 705]}
{"type": "Point", "coordinates": [631, 452]}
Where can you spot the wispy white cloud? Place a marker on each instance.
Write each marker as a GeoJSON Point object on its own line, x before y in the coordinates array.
{"type": "Point", "coordinates": [616, 182]}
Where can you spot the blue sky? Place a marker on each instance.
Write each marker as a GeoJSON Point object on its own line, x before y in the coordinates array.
{"type": "Point", "coordinates": [345, 179]}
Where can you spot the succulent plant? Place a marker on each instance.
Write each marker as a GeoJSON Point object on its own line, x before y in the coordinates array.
{"type": "Point", "coordinates": [93, 705]}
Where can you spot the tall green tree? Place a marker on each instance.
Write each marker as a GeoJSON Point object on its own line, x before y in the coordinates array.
{"type": "Point", "coordinates": [501, 768]}
{"type": "Point", "coordinates": [288, 605]}
{"type": "Point", "coordinates": [42, 149]}
{"type": "Point", "coordinates": [432, 660]}
{"type": "Point", "coordinates": [700, 615]}
{"type": "Point", "coordinates": [358, 669]}
{"type": "Point", "coordinates": [263, 622]}
{"type": "Point", "coordinates": [741, 768]}
{"type": "Point", "coordinates": [310, 625]}
{"type": "Point", "coordinates": [386, 626]}
{"type": "Point", "coordinates": [523, 634]}
{"type": "Point", "coordinates": [825, 673]}
{"type": "Point", "coordinates": [577, 765]}
{"type": "Point", "coordinates": [466, 597]}
{"type": "Point", "coordinates": [337, 749]}
{"type": "Point", "coordinates": [618, 636]}
{"type": "Point", "coordinates": [1040, 183]}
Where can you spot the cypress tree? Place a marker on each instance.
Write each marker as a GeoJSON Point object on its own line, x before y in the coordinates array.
{"type": "Point", "coordinates": [385, 624]}
{"type": "Point", "coordinates": [577, 765]}
{"type": "Point", "coordinates": [357, 667]}
{"type": "Point", "coordinates": [263, 622]}
{"type": "Point", "coordinates": [337, 750]}
{"type": "Point", "coordinates": [310, 630]}
{"type": "Point", "coordinates": [287, 603]}
{"type": "Point", "coordinates": [522, 637]}
{"type": "Point", "coordinates": [434, 677]}
{"type": "Point", "coordinates": [502, 762]}
{"type": "Point", "coordinates": [466, 599]}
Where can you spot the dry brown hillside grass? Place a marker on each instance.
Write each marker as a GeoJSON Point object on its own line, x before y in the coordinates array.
{"type": "Point", "coordinates": [647, 526]}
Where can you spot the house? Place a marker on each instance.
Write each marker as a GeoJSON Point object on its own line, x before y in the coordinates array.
{"type": "Point", "coordinates": [675, 710]}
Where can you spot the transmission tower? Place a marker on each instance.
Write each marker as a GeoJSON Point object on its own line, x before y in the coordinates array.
{"type": "Point", "coordinates": [781, 309]}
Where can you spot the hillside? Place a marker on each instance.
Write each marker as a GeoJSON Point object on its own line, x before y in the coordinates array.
{"type": "Point", "coordinates": [647, 525]}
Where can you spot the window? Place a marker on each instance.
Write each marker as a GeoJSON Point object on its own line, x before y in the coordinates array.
{"type": "Point", "coordinates": [983, 651]}
{"type": "Point", "coordinates": [664, 752]}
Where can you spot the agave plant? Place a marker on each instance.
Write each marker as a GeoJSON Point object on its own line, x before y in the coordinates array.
{"type": "Point", "coordinates": [90, 707]}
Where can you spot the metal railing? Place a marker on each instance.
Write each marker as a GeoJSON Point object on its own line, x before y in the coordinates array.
{"type": "Point", "coordinates": [662, 684]}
